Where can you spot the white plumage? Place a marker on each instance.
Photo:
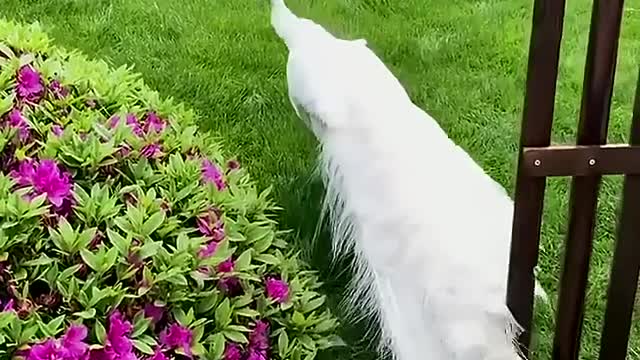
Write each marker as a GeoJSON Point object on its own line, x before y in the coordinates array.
{"type": "Point", "coordinates": [431, 231]}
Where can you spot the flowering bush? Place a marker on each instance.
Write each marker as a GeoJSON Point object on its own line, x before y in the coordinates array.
{"type": "Point", "coordinates": [124, 233]}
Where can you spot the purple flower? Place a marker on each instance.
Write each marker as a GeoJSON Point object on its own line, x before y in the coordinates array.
{"type": "Point", "coordinates": [118, 342]}
{"type": "Point", "coordinates": [30, 85]}
{"type": "Point", "coordinates": [259, 338]}
{"type": "Point", "coordinates": [226, 266]}
{"type": "Point", "coordinates": [151, 151]}
{"type": "Point", "coordinates": [70, 347]}
{"type": "Point", "coordinates": [134, 124]}
{"type": "Point", "coordinates": [46, 178]}
{"type": "Point", "coordinates": [232, 351]}
{"type": "Point", "coordinates": [153, 312]}
{"type": "Point", "coordinates": [256, 355]}
{"type": "Point", "coordinates": [58, 91]}
{"type": "Point", "coordinates": [48, 350]}
{"type": "Point", "coordinates": [207, 250]}
{"type": "Point", "coordinates": [177, 336]}
{"type": "Point", "coordinates": [211, 226]}
{"type": "Point", "coordinates": [211, 174]}
{"type": "Point", "coordinates": [277, 290]}
{"type": "Point", "coordinates": [57, 130]}
{"type": "Point", "coordinates": [8, 306]}
{"type": "Point", "coordinates": [158, 355]}
{"type": "Point", "coordinates": [125, 150]}
{"type": "Point", "coordinates": [73, 346]}
{"type": "Point", "coordinates": [114, 121]}
{"type": "Point", "coordinates": [18, 121]}
{"type": "Point", "coordinates": [154, 123]}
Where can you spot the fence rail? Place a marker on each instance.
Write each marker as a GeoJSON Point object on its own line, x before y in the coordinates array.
{"type": "Point", "coordinates": [585, 162]}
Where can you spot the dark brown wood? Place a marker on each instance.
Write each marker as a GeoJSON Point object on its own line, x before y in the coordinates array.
{"type": "Point", "coordinates": [582, 160]}
{"type": "Point", "coordinates": [544, 52]}
{"type": "Point", "coordinates": [626, 262]}
{"type": "Point", "coordinates": [592, 130]}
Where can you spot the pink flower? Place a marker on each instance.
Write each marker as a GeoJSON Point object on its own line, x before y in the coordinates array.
{"type": "Point", "coordinates": [30, 85]}
{"type": "Point", "coordinates": [177, 336]}
{"type": "Point", "coordinates": [211, 174]}
{"type": "Point", "coordinates": [151, 151]}
{"type": "Point", "coordinates": [207, 250]}
{"type": "Point", "coordinates": [58, 91]}
{"type": "Point", "coordinates": [257, 355]}
{"type": "Point", "coordinates": [226, 266]}
{"type": "Point", "coordinates": [18, 121]}
{"type": "Point", "coordinates": [154, 123]}
{"type": "Point", "coordinates": [133, 123]}
{"type": "Point", "coordinates": [8, 306]}
{"type": "Point", "coordinates": [73, 346]}
{"type": "Point", "coordinates": [118, 344]}
{"type": "Point", "coordinates": [232, 351]}
{"type": "Point", "coordinates": [70, 347]}
{"type": "Point", "coordinates": [48, 350]}
{"type": "Point", "coordinates": [46, 178]}
{"type": "Point", "coordinates": [114, 121]}
{"type": "Point", "coordinates": [154, 312]}
{"type": "Point", "coordinates": [57, 130]}
{"type": "Point", "coordinates": [211, 226]}
{"type": "Point", "coordinates": [158, 355]}
{"type": "Point", "coordinates": [277, 290]}
{"type": "Point", "coordinates": [259, 341]}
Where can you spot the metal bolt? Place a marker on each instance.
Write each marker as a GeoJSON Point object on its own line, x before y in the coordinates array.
{"type": "Point", "coordinates": [592, 162]}
{"type": "Point", "coordinates": [536, 163]}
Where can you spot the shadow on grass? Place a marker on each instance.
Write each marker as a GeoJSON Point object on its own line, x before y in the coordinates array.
{"type": "Point", "coordinates": [303, 203]}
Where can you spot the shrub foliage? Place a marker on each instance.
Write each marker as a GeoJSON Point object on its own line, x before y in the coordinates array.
{"type": "Point", "coordinates": [125, 233]}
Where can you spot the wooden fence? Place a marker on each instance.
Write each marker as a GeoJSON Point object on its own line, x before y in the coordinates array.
{"type": "Point", "coordinates": [586, 163]}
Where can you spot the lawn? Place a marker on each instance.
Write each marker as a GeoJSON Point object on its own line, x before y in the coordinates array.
{"type": "Point", "coordinates": [463, 61]}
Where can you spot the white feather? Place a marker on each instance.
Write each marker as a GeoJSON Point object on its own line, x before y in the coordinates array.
{"type": "Point", "coordinates": [430, 229]}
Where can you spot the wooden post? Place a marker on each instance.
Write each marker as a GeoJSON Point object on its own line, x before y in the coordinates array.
{"type": "Point", "coordinates": [542, 74]}
{"type": "Point", "coordinates": [592, 130]}
{"type": "Point", "coordinates": [626, 261]}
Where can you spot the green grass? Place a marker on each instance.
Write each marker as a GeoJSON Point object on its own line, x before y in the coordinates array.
{"type": "Point", "coordinates": [464, 61]}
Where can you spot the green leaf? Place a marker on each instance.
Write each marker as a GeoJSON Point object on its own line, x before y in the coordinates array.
{"type": "Point", "coordinates": [87, 314]}
{"type": "Point", "coordinates": [68, 235]}
{"type": "Point", "coordinates": [313, 304]}
{"type": "Point", "coordinates": [144, 348]}
{"type": "Point", "coordinates": [250, 313]}
{"type": "Point", "coordinates": [55, 326]}
{"type": "Point", "coordinates": [333, 341]}
{"type": "Point", "coordinates": [217, 346]}
{"type": "Point", "coordinates": [119, 242]}
{"type": "Point", "coordinates": [235, 336]}
{"type": "Point", "coordinates": [244, 261]}
{"type": "Point", "coordinates": [153, 223]}
{"type": "Point", "coordinates": [207, 303]}
{"type": "Point", "coordinates": [140, 325]}
{"type": "Point", "coordinates": [42, 260]}
{"type": "Point", "coordinates": [100, 331]}
{"type": "Point", "coordinates": [90, 259]}
{"type": "Point", "coordinates": [150, 248]}
{"type": "Point", "coordinates": [223, 313]}
{"type": "Point", "coordinates": [267, 259]}
{"type": "Point", "coordinates": [110, 259]}
{"type": "Point", "coordinates": [181, 317]}
{"type": "Point", "coordinates": [326, 325]}
{"type": "Point", "coordinates": [283, 344]}
{"type": "Point", "coordinates": [307, 342]}
{"type": "Point", "coordinates": [298, 319]}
